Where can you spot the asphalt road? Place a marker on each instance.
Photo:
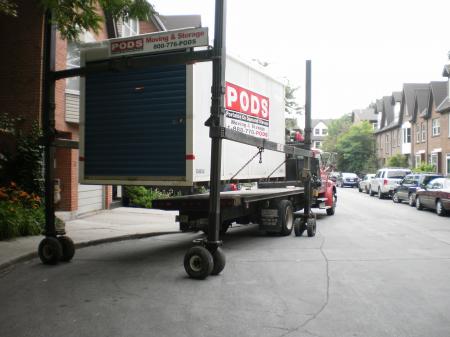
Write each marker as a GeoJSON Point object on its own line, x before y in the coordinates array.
{"type": "Point", "coordinates": [374, 269]}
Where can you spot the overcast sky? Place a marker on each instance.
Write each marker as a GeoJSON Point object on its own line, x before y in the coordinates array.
{"type": "Point", "coordinates": [360, 50]}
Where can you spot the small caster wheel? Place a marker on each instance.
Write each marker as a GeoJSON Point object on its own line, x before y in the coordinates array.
{"type": "Point", "coordinates": [311, 227]}
{"type": "Point", "coordinates": [50, 250]}
{"type": "Point", "coordinates": [299, 226]}
{"type": "Point", "coordinates": [219, 261]}
{"type": "Point", "coordinates": [198, 262]}
{"type": "Point", "coordinates": [68, 248]}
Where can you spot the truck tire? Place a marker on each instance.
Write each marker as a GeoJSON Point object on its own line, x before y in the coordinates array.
{"type": "Point", "coordinates": [332, 209]}
{"type": "Point", "coordinates": [439, 208]}
{"type": "Point", "coordinates": [418, 204]}
{"type": "Point", "coordinates": [198, 262]}
{"type": "Point", "coordinates": [219, 261]}
{"type": "Point", "coordinates": [412, 199]}
{"type": "Point", "coordinates": [50, 250]}
{"type": "Point", "coordinates": [285, 217]}
{"type": "Point", "coordinates": [380, 195]}
{"type": "Point", "coordinates": [311, 227]}
{"type": "Point", "coordinates": [299, 226]}
{"type": "Point", "coordinates": [396, 199]}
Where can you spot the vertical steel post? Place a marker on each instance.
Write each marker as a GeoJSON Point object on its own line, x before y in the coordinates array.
{"type": "Point", "coordinates": [308, 132]}
{"type": "Point", "coordinates": [216, 121]}
{"type": "Point", "coordinates": [48, 121]}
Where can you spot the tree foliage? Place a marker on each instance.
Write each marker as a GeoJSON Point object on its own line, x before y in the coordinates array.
{"type": "Point", "coordinates": [291, 105]}
{"type": "Point", "coordinates": [398, 160]}
{"type": "Point", "coordinates": [336, 128]}
{"type": "Point", "coordinates": [72, 17]}
{"type": "Point", "coordinates": [424, 168]}
{"type": "Point", "coordinates": [356, 149]}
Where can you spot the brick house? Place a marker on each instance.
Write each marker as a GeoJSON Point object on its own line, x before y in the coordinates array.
{"type": "Point", "coordinates": [367, 114]}
{"type": "Point", "coordinates": [388, 136]}
{"type": "Point", "coordinates": [431, 142]}
{"type": "Point", "coordinates": [21, 88]}
{"type": "Point", "coordinates": [444, 110]}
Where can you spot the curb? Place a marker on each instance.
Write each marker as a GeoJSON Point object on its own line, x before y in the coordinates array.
{"type": "Point", "coordinates": [29, 256]}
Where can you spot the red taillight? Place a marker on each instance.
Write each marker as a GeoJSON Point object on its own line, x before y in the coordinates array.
{"type": "Point", "coordinates": [190, 156]}
{"type": "Point", "coordinates": [385, 182]}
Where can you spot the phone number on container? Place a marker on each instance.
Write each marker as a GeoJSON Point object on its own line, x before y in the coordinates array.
{"type": "Point", "coordinates": [184, 43]}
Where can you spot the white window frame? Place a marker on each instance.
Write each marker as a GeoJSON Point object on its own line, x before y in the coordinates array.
{"type": "Point", "coordinates": [434, 161]}
{"type": "Point", "coordinates": [436, 127]}
{"type": "Point", "coordinates": [447, 161]}
{"type": "Point", "coordinates": [423, 132]}
{"type": "Point", "coordinates": [417, 133]}
{"type": "Point", "coordinates": [317, 132]}
{"type": "Point", "coordinates": [324, 132]}
{"type": "Point", "coordinates": [74, 62]}
{"type": "Point", "coordinates": [418, 160]}
{"type": "Point", "coordinates": [130, 27]}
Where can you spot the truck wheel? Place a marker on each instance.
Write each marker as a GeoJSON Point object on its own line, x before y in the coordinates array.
{"type": "Point", "coordinates": [380, 195]}
{"type": "Point", "coordinates": [50, 250]}
{"type": "Point", "coordinates": [299, 226]}
{"type": "Point", "coordinates": [440, 209]}
{"type": "Point", "coordinates": [285, 217]}
{"type": "Point", "coordinates": [219, 261]}
{"type": "Point", "coordinates": [68, 248]}
{"type": "Point", "coordinates": [311, 227]}
{"type": "Point", "coordinates": [332, 209]}
{"type": "Point", "coordinates": [198, 262]}
{"type": "Point", "coordinates": [359, 189]}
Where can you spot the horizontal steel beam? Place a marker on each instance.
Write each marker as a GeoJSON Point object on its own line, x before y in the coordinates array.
{"type": "Point", "coordinates": [136, 62]}
{"type": "Point", "coordinates": [262, 143]}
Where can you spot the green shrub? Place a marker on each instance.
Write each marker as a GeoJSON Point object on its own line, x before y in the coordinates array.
{"type": "Point", "coordinates": [398, 160]}
{"type": "Point", "coordinates": [141, 196]}
{"type": "Point", "coordinates": [21, 213]}
{"type": "Point", "coordinates": [424, 167]}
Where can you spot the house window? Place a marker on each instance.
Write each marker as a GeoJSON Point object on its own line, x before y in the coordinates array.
{"type": "Point", "coordinates": [434, 161]}
{"type": "Point", "coordinates": [317, 145]}
{"type": "Point", "coordinates": [418, 160]}
{"type": "Point", "coordinates": [324, 132]}
{"type": "Point", "coordinates": [436, 127]}
{"type": "Point", "coordinates": [130, 27]}
{"type": "Point", "coordinates": [73, 60]}
{"type": "Point", "coordinates": [375, 125]}
{"type": "Point", "coordinates": [317, 132]}
{"type": "Point", "coordinates": [417, 134]}
{"type": "Point", "coordinates": [423, 132]}
{"type": "Point", "coordinates": [406, 135]}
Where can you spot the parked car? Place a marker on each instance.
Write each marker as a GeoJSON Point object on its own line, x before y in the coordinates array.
{"type": "Point", "coordinates": [406, 190]}
{"type": "Point", "coordinates": [435, 195]}
{"type": "Point", "coordinates": [386, 180]}
{"type": "Point", "coordinates": [364, 183]}
{"type": "Point", "coordinates": [347, 179]}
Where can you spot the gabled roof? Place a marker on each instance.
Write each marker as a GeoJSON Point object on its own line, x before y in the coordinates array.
{"type": "Point", "coordinates": [421, 103]}
{"type": "Point", "coordinates": [439, 90]}
{"type": "Point", "coordinates": [314, 122]}
{"type": "Point", "coordinates": [446, 71]}
{"type": "Point", "coordinates": [409, 93]}
{"type": "Point", "coordinates": [367, 114]}
{"type": "Point", "coordinates": [388, 110]}
{"type": "Point", "coordinates": [397, 97]}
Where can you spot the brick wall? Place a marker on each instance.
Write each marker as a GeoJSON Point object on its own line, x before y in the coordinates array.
{"type": "Point", "coordinates": [21, 62]}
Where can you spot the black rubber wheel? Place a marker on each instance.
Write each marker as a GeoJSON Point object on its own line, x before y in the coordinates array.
{"type": "Point", "coordinates": [332, 210]}
{"type": "Point", "coordinates": [418, 204]}
{"type": "Point", "coordinates": [395, 198]}
{"type": "Point", "coordinates": [359, 189]}
{"type": "Point", "coordinates": [379, 195]}
{"type": "Point", "coordinates": [440, 209]}
{"type": "Point", "coordinates": [311, 227]}
{"type": "Point", "coordinates": [299, 226]}
{"type": "Point", "coordinates": [219, 261]}
{"type": "Point", "coordinates": [68, 248]}
{"type": "Point", "coordinates": [371, 193]}
{"type": "Point", "coordinates": [412, 200]}
{"type": "Point", "coordinates": [50, 250]}
{"type": "Point", "coordinates": [285, 217]}
{"type": "Point", "coordinates": [198, 262]}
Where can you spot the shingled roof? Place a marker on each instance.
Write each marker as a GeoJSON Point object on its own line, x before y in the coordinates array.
{"type": "Point", "coordinates": [409, 94]}
{"type": "Point", "coordinates": [438, 94]}
{"type": "Point", "coordinates": [367, 114]}
{"type": "Point", "coordinates": [421, 102]}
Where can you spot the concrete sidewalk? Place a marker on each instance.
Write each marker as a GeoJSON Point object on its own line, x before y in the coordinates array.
{"type": "Point", "coordinates": [107, 226]}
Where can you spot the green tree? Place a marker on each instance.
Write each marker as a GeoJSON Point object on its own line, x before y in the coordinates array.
{"type": "Point", "coordinates": [290, 103]}
{"type": "Point", "coordinates": [336, 128]}
{"type": "Point", "coordinates": [356, 149]}
{"type": "Point", "coordinates": [72, 17]}
{"type": "Point", "coordinates": [398, 160]}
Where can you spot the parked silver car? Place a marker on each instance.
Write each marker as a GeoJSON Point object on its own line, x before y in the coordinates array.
{"type": "Point", "coordinates": [365, 182]}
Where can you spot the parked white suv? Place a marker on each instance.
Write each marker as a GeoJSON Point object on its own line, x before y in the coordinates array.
{"type": "Point", "coordinates": [386, 180]}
